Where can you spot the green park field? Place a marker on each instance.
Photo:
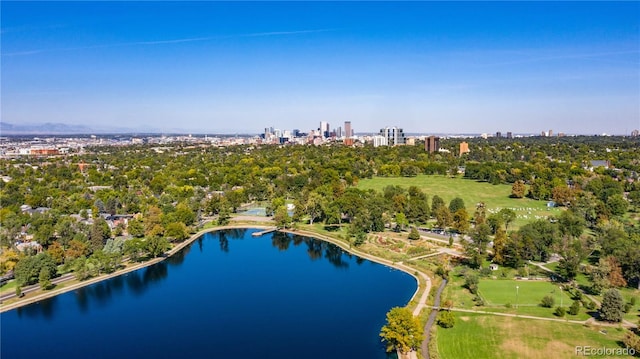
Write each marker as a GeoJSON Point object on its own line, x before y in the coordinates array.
{"type": "Point", "coordinates": [472, 192]}
{"type": "Point", "coordinates": [529, 293]}
{"type": "Point", "coordinates": [487, 336]}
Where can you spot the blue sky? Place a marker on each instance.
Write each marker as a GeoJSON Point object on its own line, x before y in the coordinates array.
{"type": "Point", "coordinates": [427, 67]}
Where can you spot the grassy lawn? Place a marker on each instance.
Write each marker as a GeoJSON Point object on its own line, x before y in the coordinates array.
{"type": "Point", "coordinates": [9, 287]}
{"type": "Point", "coordinates": [497, 293]}
{"type": "Point", "coordinates": [483, 336]}
{"type": "Point", "coordinates": [495, 197]}
{"type": "Point", "coordinates": [530, 293]}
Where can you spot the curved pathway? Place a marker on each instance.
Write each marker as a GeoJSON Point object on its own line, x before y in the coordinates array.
{"type": "Point", "coordinates": [432, 318]}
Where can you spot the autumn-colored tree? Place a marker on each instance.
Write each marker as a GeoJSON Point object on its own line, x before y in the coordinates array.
{"type": "Point", "coordinates": [518, 189]}
{"type": "Point", "coordinates": [615, 274]}
{"type": "Point", "coordinates": [499, 243]}
{"type": "Point", "coordinates": [56, 252]}
{"type": "Point", "coordinates": [461, 220]}
{"type": "Point", "coordinates": [152, 219]}
{"type": "Point", "coordinates": [443, 217]}
{"type": "Point", "coordinates": [77, 249]}
{"type": "Point", "coordinates": [562, 195]}
{"type": "Point", "coordinates": [402, 332]}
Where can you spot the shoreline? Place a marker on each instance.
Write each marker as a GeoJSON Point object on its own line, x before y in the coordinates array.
{"type": "Point", "coordinates": [399, 266]}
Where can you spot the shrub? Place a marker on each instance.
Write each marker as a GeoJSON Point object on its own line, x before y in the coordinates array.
{"type": "Point", "coordinates": [471, 282]}
{"type": "Point", "coordinates": [577, 295]}
{"type": "Point", "coordinates": [627, 307]}
{"type": "Point", "coordinates": [478, 300]}
{"type": "Point", "coordinates": [547, 301]}
{"type": "Point", "coordinates": [446, 319]}
{"type": "Point", "coordinates": [632, 301]}
{"type": "Point", "coordinates": [591, 305]}
{"type": "Point", "coordinates": [414, 234]}
{"type": "Point", "coordinates": [560, 311]}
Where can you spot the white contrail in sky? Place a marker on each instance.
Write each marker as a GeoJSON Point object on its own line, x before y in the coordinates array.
{"type": "Point", "coordinates": [171, 41]}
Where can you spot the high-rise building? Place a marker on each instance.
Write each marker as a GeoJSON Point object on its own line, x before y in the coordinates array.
{"type": "Point", "coordinates": [380, 141]}
{"type": "Point", "coordinates": [464, 148]}
{"type": "Point", "coordinates": [339, 132]}
{"type": "Point", "coordinates": [550, 133]}
{"type": "Point", "coordinates": [635, 133]}
{"type": "Point", "coordinates": [509, 135]}
{"type": "Point", "coordinates": [432, 144]}
{"type": "Point", "coordinates": [394, 135]}
{"type": "Point", "coordinates": [347, 129]}
{"type": "Point", "coordinates": [324, 128]}
{"type": "Point", "coordinates": [498, 134]}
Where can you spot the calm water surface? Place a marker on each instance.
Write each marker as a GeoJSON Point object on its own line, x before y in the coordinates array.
{"type": "Point", "coordinates": [228, 295]}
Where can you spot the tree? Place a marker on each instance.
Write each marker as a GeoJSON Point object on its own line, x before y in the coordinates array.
{"type": "Point", "coordinates": [446, 319]}
{"type": "Point", "coordinates": [28, 269]}
{"type": "Point", "coordinates": [224, 216]}
{"type": "Point", "coordinates": [518, 189]}
{"type": "Point", "coordinates": [176, 231]}
{"type": "Point", "coordinates": [436, 203]}
{"type": "Point", "coordinates": [100, 231]}
{"type": "Point", "coordinates": [44, 279]}
{"type": "Point", "coordinates": [570, 224]}
{"type": "Point", "coordinates": [471, 281]}
{"type": "Point", "coordinates": [152, 219]}
{"type": "Point", "coordinates": [507, 215]}
{"type": "Point", "coordinates": [314, 206]}
{"type": "Point", "coordinates": [632, 340]}
{"type": "Point", "coordinates": [562, 195]}
{"type": "Point", "coordinates": [612, 306]}
{"type": "Point", "coordinates": [414, 234]}
{"type": "Point", "coordinates": [443, 216]}
{"type": "Point", "coordinates": [156, 246]}
{"type": "Point", "coordinates": [574, 309]}
{"type": "Point", "coordinates": [281, 217]}
{"type": "Point", "coordinates": [456, 204]}
{"type": "Point", "coordinates": [615, 274]}
{"type": "Point", "coordinates": [77, 249]}
{"type": "Point", "coordinates": [134, 248]}
{"type": "Point", "coordinates": [135, 228]}
{"type": "Point", "coordinates": [56, 252]}
{"type": "Point", "coordinates": [402, 332]}
{"type": "Point", "coordinates": [617, 205]}
{"type": "Point", "coordinates": [461, 220]}
{"type": "Point", "coordinates": [560, 312]}
{"type": "Point", "coordinates": [499, 244]}
{"type": "Point", "coordinates": [401, 220]}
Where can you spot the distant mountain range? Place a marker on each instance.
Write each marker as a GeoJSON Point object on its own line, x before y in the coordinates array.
{"type": "Point", "coordinates": [49, 128]}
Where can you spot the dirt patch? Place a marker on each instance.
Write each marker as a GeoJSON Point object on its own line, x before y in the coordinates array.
{"type": "Point", "coordinates": [464, 319]}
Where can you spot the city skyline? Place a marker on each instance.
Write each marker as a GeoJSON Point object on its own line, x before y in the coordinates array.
{"type": "Point", "coordinates": [236, 67]}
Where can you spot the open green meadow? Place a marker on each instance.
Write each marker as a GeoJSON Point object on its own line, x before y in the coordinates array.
{"type": "Point", "coordinates": [529, 293]}
{"type": "Point", "coordinates": [472, 192]}
{"type": "Point", "coordinates": [480, 336]}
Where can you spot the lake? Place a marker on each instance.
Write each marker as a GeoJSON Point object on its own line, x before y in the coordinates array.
{"type": "Point", "coordinates": [227, 295]}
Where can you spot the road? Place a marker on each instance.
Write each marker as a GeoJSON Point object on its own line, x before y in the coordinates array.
{"type": "Point", "coordinates": [32, 288]}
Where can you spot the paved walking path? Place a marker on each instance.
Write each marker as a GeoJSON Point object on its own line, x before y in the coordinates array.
{"type": "Point", "coordinates": [431, 320]}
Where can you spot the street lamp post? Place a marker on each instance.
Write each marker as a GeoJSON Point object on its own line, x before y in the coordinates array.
{"type": "Point", "coordinates": [517, 287]}
{"type": "Point", "coordinates": [560, 296]}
